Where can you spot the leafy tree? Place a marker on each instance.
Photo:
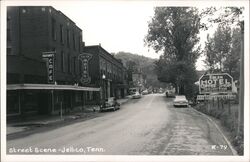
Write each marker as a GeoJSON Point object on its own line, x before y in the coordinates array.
{"type": "Point", "coordinates": [209, 51]}
{"type": "Point", "coordinates": [218, 48]}
{"type": "Point", "coordinates": [173, 31]}
{"type": "Point", "coordinates": [232, 62]}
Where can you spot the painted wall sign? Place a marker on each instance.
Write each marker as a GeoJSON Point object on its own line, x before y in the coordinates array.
{"type": "Point", "coordinates": [215, 83]}
{"type": "Point", "coordinates": [85, 57]}
{"type": "Point", "coordinates": [50, 62]}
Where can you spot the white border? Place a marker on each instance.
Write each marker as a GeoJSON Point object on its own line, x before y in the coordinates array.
{"type": "Point", "coordinates": [60, 158]}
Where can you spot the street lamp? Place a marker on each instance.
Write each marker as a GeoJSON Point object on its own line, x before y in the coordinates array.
{"type": "Point", "coordinates": [103, 76]}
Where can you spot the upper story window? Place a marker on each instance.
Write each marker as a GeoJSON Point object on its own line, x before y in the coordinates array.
{"type": "Point", "coordinates": [68, 38]}
{"type": "Point", "coordinates": [62, 62]}
{"type": "Point", "coordinates": [74, 41]}
{"type": "Point", "coordinates": [80, 41]}
{"type": "Point", "coordinates": [61, 34]}
{"type": "Point", "coordinates": [53, 28]}
{"type": "Point", "coordinates": [69, 63]}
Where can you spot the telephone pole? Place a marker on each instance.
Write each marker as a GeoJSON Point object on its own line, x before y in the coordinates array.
{"type": "Point", "coordinates": [241, 107]}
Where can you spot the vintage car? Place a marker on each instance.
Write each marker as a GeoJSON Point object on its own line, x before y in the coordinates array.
{"type": "Point", "coordinates": [110, 104]}
{"type": "Point", "coordinates": [180, 101]}
{"type": "Point", "coordinates": [136, 95]}
{"type": "Point", "coordinates": [145, 92]}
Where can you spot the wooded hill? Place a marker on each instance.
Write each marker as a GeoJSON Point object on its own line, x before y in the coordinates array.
{"type": "Point", "coordinates": [139, 62]}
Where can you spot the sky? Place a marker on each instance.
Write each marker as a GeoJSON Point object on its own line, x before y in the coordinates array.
{"type": "Point", "coordinates": [116, 27]}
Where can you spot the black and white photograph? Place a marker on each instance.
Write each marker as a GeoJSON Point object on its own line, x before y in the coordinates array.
{"type": "Point", "coordinates": [125, 80]}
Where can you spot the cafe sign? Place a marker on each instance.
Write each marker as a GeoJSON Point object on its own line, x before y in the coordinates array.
{"type": "Point", "coordinates": [50, 62]}
{"type": "Point", "coordinates": [84, 58]}
{"type": "Point", "coordinates": [215, 83]}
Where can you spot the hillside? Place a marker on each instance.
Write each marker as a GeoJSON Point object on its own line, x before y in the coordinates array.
{"type": "Point", "coordinates": [146, 65]}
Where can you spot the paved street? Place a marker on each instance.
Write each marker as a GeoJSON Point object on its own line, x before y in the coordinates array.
{"type": "Point", "coordinates": [146, 126]}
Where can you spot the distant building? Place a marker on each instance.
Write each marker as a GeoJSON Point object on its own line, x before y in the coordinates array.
{"type": "Point", "coordinates": [39, 85]}
{"type": "Point", "coordinates": [107, 72]}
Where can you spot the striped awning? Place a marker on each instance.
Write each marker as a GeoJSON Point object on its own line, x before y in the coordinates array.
{"type": "Point", "coordinates": [50, 87]}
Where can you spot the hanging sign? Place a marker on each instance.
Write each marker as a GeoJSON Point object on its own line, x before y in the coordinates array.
{"type": "Point", "coordinates": [50, 62]}
{"type": "Point", "coordinates": [84, 58]}
{"type": "Point", "coordinates": [215, 83]}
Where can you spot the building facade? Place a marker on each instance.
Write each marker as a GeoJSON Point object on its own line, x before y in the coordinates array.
{"type": "Point", "coordinates": [107, 72]}
{"type": "Point", "coordinates": [33, 33]}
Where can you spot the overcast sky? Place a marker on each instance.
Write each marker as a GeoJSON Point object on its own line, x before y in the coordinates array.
{"type": "Point", "coordinates": [118, 26]}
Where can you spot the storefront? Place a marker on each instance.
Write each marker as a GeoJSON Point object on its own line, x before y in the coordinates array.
{"type": "Point", "coordinates": [30, 99]}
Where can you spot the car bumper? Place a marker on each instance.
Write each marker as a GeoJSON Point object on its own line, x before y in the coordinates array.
{"type": "Point", "coordinates": [180, 104]}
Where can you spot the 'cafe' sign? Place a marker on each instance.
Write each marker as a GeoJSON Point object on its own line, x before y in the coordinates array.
{"type": "Point", "coordinates": [215, 83]}
{"type": "Point", "coordinates": [50, 62]}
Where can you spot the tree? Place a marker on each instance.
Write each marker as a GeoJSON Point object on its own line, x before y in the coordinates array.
{"type": "Point", "coordinates": [218, 48]}
{"type": "Point", "coordinates": [222, 44]}
{"type": "Point", "coordinates": [210, 54]}
{"type": "Point", "coordinates": [173, 31]}
{"type": "Point", "coordinates": [232, 62]}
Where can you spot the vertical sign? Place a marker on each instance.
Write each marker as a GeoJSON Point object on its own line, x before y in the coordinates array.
{"type": "Point", "coordinates": [84, 58]}
{"type": "Point", "coordinates": [50, 61]}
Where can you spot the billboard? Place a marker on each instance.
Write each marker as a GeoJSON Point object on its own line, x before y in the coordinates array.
{"type": "Point", "coordinates": [215, 83]}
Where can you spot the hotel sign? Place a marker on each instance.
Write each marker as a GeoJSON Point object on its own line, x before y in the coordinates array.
{"type": "Point", "coordinates": [84, 58]}
{"type": "Point", "coordinates": [215, 83]}
{"type": "Point", "coordinates": [50, 62]}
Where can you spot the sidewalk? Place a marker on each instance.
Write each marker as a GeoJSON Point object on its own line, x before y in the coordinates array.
{"type": "Point", "coordinates": [41, 120]}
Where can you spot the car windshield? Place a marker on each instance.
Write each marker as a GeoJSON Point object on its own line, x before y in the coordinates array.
{"type": "Point", "coordinates": [180, 97]}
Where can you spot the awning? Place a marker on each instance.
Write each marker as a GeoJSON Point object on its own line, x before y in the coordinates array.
{"type": "Point", "coordinates": [50, 87]}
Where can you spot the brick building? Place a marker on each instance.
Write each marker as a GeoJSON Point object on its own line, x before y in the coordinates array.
{"type": "Point", "coordinates": [32, 31]}
{"type": "Point", "coordinates": [107, 72]}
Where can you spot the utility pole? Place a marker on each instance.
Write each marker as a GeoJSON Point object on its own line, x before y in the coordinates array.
{"type": "Point", "coordinates": [241, 106]}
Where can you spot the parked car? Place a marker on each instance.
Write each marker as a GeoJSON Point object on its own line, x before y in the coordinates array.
{"type": "Point", "coordinates": [110, 104]}
{"type": "Point", "coordinates": [145, 92]}
{"type": "Point", "coordinates": [170, 93]}
{"type": "Point", "coordinates": [136, 95]}
{"type": "Point", "coordinates": [180, 101]}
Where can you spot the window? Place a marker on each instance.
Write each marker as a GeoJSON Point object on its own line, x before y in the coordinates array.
{"type": "Point", "coordinates": [62, 62]}
{"type": "Point", "coordinates": [80, 66]}
{"type": "Point", "coordinates": [69, 64]}
{"type": "Point", "coordinates": [68, 37]}
{"type": "Point", "coordinates": [80, 41]}
{"type": "Point", "coordinates": [53, 29]}
{"type": "Point", "coordinates": [8, 35]}
{"type": "Point", "coordinates": [74, 41]}
{"type": "Point", "coordinates": [74, 65]}
{"type": "Point", "coordinates": [61, 34]}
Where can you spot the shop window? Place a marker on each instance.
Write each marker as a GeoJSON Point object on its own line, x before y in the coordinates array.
{"type": "Point", "coordinates": [12, 103]}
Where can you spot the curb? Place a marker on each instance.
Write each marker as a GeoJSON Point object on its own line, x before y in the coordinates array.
{"type": "Point", "coordinates": [234, 152]}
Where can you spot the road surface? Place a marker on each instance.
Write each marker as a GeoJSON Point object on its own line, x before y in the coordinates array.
{"type": "Point", "coordinates": [146, 126]}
